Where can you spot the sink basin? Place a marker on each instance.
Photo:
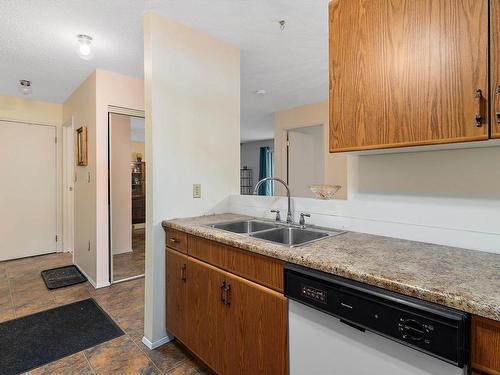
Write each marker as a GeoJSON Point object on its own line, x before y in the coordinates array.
{"type": "Point", "coordinates": [247, 226]}
{"type": "Point", "coordinates": [292, 236]}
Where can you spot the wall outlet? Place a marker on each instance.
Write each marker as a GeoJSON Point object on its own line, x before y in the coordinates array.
{"type": "Point", "coordinates": [196, 190]}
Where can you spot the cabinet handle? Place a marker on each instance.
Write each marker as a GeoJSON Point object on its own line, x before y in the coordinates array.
{"type": "Point", "coordinates": [174, 240]}
{"type": "Point", "coordinates": [478, 96]}
{"type": "Point", "coordinates": [222, 289]}
{"type": "Point", "coordinates": [498, 100]}
{"type": "Point", "coordinates": [228, 295]}
{"type": "Point", "coordinates": [183, 272]}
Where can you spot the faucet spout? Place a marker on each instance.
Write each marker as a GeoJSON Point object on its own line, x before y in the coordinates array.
{"type": "Point", "coordinates": [289, 217]}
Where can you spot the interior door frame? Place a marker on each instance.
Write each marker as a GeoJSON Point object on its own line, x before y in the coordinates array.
{"type": "Point", "coordinates": [131, 113]}
{"type": "Point", "coordinates": [58, 243]}
{"type": "Point", "coordinates": [68, 185]}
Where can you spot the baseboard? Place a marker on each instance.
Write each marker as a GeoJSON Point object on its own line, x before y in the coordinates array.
{"type": "Point", "coordinates": [118, 252]}
{"type": "Point", "coordinates": [89, 279]}
{"type": "Point", "coordinates": [153, 345]}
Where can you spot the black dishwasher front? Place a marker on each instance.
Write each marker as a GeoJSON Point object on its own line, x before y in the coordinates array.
{"type": "Point", "coordinates": [439, 331]}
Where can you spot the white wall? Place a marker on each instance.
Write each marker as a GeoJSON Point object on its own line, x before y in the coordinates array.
{"type": "Point", "coordinates": [192, 136]}
{"type": "Point", "coordinates": [121, 189]}
{"type": "Point", "coordinates": [121, 91]}
{"type": "Point", "coordinates": [250, 156]}
{"type": "Point", "coordinates": [448, 197]}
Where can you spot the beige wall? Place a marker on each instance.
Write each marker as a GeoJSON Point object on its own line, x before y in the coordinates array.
{"type": "Point", "coordinates": [27, 110]}
{"type": "Point", "coordinates": [81, 105]}
{"type": "Point", "coordinates": [121, 190]}
{"type": "Point", "coordinates": [309, 115]}
{"type": "Point", "coordinates": [192, 136]}
{"type": "Point", "coordinates": [89, 107]}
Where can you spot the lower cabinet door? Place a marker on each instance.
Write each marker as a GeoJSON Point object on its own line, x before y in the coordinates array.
{"type": "Point", "coordinates": [176, 290]}
{"type": "Point", "coordinates": [205, 330]}
{"type": "Point", "coordinates": [255, 327]}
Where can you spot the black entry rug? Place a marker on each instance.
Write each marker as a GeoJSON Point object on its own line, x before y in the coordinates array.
{"type": "Point", "coordinates": [62, 276]}
{"type": "Point", "coordinates": [35, 340]}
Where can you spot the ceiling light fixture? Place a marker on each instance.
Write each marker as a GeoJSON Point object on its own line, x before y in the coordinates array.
{"type": "Point", "coordinates": [282, 24]}
{"type": "Point", "coordinates": [84, 46]}
{"type": "Point", "coordinates": [25, 87]}
{"type": "Point", "coordinates": [261, 92]}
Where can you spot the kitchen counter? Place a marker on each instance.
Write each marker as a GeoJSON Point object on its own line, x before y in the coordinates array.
{"type": "Point", "coordinates": [467, 280]}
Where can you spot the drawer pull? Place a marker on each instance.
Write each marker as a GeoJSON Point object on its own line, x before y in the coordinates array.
{"type": "Point", "coordinates": [174, 240]}
{"type": "Point", "coordinates": [345, 305]}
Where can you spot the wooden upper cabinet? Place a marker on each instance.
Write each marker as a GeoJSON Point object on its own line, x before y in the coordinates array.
{"type": "Point", "coordinates": [495, 68]}
{"type": "Point", "coordinates": [406, 72]}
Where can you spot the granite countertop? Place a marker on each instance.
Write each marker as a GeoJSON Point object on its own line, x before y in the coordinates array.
{"type": "Point", "coordinates": [467, 280]}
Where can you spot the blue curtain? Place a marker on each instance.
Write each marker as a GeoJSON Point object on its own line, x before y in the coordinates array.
{"type": "Point", "coordinates": [266, 169]}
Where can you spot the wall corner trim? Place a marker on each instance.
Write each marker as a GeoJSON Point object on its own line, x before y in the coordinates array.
{"type": "Point", "coordinates": [153, 345]}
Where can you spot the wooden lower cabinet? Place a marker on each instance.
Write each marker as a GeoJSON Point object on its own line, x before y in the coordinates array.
{"type": "Point", "coordinates": [255, 321]}
{"type": "Point", "coordinates": [232, 324]}
{"type": "Point", "coordinates": [176, 272]}
{"type": "Point", "coordinates": [485, 345]}
{"type": "Point", "coordinates": [205, 329]}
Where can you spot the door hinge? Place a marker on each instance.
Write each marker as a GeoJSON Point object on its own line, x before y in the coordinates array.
{"type": "Point", "coordinates": [57, 237]}
{"type": "Point", "coordinates": [287, 143]}
{"type": "Point", "coordinates": [55, 139]}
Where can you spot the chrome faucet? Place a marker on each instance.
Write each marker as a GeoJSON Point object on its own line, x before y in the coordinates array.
{"type": "Point", "coordinates": [289, 218]}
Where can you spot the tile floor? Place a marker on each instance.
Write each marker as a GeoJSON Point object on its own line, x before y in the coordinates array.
{"type": "Point", "coordinates": [132, 263]}
{"type": "Point", "coordinates": [23, 292]}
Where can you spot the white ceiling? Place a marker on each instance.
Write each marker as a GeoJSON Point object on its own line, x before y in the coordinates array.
{"type": "Point", "coordinates": [37, 42]}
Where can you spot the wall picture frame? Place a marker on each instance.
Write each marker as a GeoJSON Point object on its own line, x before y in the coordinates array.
{"type": "Point", "coordinates": [81, 147]}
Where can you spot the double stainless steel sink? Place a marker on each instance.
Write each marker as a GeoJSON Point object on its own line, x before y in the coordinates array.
{"type": "Point", "coordinates": [286, 234]}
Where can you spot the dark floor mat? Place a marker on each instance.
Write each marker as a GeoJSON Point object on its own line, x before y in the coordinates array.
{"type": "Point", "coordinates": [35, 340]}
{"type": "Point", "coordinates": [62, 276]}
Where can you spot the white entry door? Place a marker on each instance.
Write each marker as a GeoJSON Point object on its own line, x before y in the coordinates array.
{"type": "Point", "coordinates": [28, 190]}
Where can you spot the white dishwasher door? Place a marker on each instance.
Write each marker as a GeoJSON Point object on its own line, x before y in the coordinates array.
{"type": "Point", "coordinates": [321, 345]}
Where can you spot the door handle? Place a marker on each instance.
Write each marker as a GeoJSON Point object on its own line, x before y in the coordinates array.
{"type": "Point", "coordinates": [183, 272]}
{"type": "Point", "coordinates": [478, 96]}
{"type": "Point", "coordinates": [222, 288]}
{"type": "Point", "coordinates": [227, 289]}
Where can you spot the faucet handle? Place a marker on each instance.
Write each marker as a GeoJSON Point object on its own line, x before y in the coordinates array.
{"type": "Point", "coordinates": [277, 212]}
{"type": "Point", "coordinates": [303, 216]}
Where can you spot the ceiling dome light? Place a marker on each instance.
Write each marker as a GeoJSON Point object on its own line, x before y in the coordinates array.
{"type": "Point", "coordinates": [25, 87]}
{"type": "Point", "coordinates": [84, 46]}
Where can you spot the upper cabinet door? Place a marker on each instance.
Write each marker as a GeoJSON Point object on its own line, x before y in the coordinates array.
{"type": "Point", "coordinates": [406, 72]}
{"type": "Point", "coordinates": [495, 68]}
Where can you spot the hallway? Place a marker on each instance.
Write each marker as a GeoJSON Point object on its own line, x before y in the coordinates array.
{"type": "Point", "coordinates": [22, 292]}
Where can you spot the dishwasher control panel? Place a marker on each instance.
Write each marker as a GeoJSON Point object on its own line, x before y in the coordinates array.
{"type": "Point", "coordinates": [434, 329]}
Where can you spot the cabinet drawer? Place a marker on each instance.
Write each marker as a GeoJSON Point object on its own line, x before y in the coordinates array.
{"type": "Point", "coordinates": [177, 240]}
{"type": "Point", "coordinates": [258, 268]}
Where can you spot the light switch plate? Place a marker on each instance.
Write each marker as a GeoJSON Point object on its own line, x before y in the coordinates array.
{"type": "Point", "coordinates": [196, 190]}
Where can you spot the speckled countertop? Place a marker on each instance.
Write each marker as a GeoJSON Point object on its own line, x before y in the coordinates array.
{"type": "Point", "coordinates": [467, 280]}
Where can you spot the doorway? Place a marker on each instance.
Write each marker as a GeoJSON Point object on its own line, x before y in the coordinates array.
{"type": "Point", "coordinates": [305, 159]}
{"type": "Point", "coordinates": [127, 193]}
{"type": "Point", "coordinates": [28, 193]}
